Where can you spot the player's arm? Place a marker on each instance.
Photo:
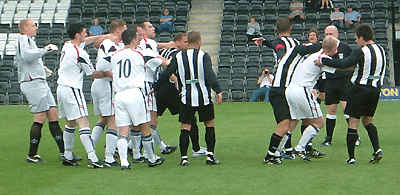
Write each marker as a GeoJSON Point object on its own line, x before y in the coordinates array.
{"type": "Point", "coordinates": [26, 52]}
{"type": "Point", "coordinates": [308, 49]}
{"type": "Point", "coordinates": [92, 39]}
{"type": "Point", "coordinates": [162, 46]}
{"type": "Point", "coordinates": [164, 76]}
{"type": "Point", "coordinates": [210, 77]}
{"type": "Point", "coordinates": [355, 57]}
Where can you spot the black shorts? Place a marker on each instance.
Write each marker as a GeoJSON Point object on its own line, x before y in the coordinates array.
{"type": "Point", "coordinates": [363, 101]}
{"type": "Point", "coordinates": [321, 85]}
{"type": "Point", "coordinates": [337, 90]}
{"type": "Point", "coordinates": [279, 104]}
{"type": "Point", "coordinates": [168, 97]}
{"type": "Point", "coordinates": [187, 113]}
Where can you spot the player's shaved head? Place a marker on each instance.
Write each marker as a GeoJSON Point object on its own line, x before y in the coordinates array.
{"type": "Point", "coordinates": [193, 37]}
{"type": "Point", "coordinates": [331, 30]}
{"type": "Point", "coordinates": [329, 44]}
{"type": "Point", "coordinates": [283, 25]}
{"type": "Point", "coordinates": [116, 24]}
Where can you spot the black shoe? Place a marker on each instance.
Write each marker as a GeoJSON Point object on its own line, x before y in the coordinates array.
{"type": "Point", "coordinates": [76, 158]}
{"type": "Point", "coordinates": [376, 157]}
{"type": "Point", "coordinates": [211, 160]}
{"type": "Point", "coordinates": [326, 143]}
{"type": "Point", "coordinates": [159, 161]}
{"type": "Point", "coordinates": [108, 165]}
{"type": "Point", "coordinates": [94, 165]}
{"type": "Point", "coordinates": [138, 160]}
{"type": "Point", "coordinates": [351, 161]}
{"type": "Point", "coordinates": [35, 159]}
{"type": "Point", "coordinates": [315, 153]}
{"type": "Point", "coordinates": [184, 162]}
{"type": "Point", "coordinates": [169, 149]}
{"type": "Point", "coordinates": [126, 167]}
{"type": "Point", "coordinates": [272, 160]}
{"type": "Point", "coordinates": [67, 162]}
{"type": "Point", "coordinates": [302, 155]}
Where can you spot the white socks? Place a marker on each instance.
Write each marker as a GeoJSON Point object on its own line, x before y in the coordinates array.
{"type": "Point", "coordinates": [111, 144]}
{"type": "Point", "coordinates": [87, 142]}
{"type": "Point", "coordinates": [97, 132]}
{"type": "Point", "coordinates": [69, 138]}
{"type": "Point", "coordinates": [310, 132]}
{"type": "Point", "coordinates": [122, 150]}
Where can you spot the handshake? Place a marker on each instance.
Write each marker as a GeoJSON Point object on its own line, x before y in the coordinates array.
{"type": "Point", "coordinates": [50, 48]}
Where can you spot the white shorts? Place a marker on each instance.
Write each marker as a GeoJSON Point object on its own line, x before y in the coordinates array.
{"type": "Point", "coordinates": [71, 103]}
{"type": "Point", "coordinates": [38, 94]}
{"type": "Point", "coordinates": [302, 103]}
{"type": "Point", "coordinates": [151, 98]}
{"type": "Point", "coordinates": [131, 108]}
{"type": "Point", "coordinates": [103, 97]}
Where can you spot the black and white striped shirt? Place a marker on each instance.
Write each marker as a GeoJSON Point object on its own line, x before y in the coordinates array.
{"type": "Point", "coordinates": [281, 46]}
{"type": "Point", "coordinates": [289, 62]}
{"type": "Point", "coordinates": [196, 77]}
{"type": "Point", "coordinates": [370, 62]}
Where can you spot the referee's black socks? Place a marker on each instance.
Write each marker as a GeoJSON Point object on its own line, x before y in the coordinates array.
{"type": "Point", "coordinates": [35, 135]}
{"type": "Point", "coordinates": [57, 134]}
{"type": "Point", "coordinates": [373, 136]}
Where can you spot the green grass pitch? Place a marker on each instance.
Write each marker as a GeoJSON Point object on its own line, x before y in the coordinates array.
{"type": "Point", "coordinates": [243, 131]}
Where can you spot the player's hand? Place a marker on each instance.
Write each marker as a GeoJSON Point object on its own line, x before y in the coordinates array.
{"type": "Point", "coordinates": [48, 71]}
{"type": "Point", "coordinates": [165, 62]}
{"type": "Point", "coordinates": [50, 48]}
{"type": "Point", "coordinates": [219, 98]}
{"type": "Point", "coordinates": [258, 41]}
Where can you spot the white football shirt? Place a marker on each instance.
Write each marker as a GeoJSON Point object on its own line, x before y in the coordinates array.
{"type": "Point", "coordinates": [149, 44]}
{"type": "Point", "coordinates": [128, 69]}
{"type": "Point", "coordinates": [74, 63]}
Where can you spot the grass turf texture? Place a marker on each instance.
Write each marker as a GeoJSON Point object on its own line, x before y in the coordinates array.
{"type": "Point", "coordinates": [243, 132]}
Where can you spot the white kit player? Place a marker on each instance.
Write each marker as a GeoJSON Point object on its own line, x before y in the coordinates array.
{"type": "Point", "coordinates": [302, 102]}
{"type": "Point", "coordinates": [147, 44]}
{"type": "Point", "coordinates": [74, 63]}
{"type": "Point", "coordinates": [103, 95]}
{"type": "Point", "coordinates": [128, 68]}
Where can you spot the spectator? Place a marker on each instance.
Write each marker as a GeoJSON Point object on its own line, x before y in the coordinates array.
{"type": "Point", "coordinates": [352, 18]}
{"type": "Point", "coordinates": [337, 17]}
{"type": "Point", "coordinates": [311, 5]}
{"type": "Point", "coordinates": [166, 22]}
{"type": "Point", "coordinates": [265, 81]}
{"type": "Point", "coordinates": [253, 29]}
{"type": "Point", "coordinates": [326, 3]}
{"type": "Point", "coordinates": [296, 9]}
{"type": "Point", "coordinates": [96, 29]}
{"type": "Point", "coordinates": [313, 36]}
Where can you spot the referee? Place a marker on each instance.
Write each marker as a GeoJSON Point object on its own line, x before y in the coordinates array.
{"type": "Point", "coordinates": [370, 63]}
{"type": "Point", "coordinates": [196, 78]}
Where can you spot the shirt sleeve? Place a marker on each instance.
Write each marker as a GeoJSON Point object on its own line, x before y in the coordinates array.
{"type": "Point", "coordinates": [355, 57]}
{"type": "Point", "coordinates": [308, 49]}
{"type": "Point", "coordinates": [85, 64]}
{"type": "Point", "coordinates": [28, 54]}
{"type": "Point", "coordinates": [164, 76]}
{"type": "Point", "coordinates": [210, 77]}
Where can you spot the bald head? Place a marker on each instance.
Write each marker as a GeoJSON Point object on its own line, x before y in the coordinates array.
{"type": "Point", "coordinates": [27, 27]}
{"type": "Point", "coordinates": [331, 30]}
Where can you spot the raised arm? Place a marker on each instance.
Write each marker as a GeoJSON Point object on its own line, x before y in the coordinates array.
{"type": "Point", "coordinates": [355, 57]}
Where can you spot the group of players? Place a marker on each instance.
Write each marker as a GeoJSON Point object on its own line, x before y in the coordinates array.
{"type": "Point", "coordinates": [352, 77]}
{"type": "Point", "coordinates": [128, 65]}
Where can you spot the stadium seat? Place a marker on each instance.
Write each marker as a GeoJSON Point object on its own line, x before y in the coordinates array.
{"type": "Point", "coordinates": [237, 84]}
{"type": "Point", "coordinates": [225, 96]}
{"type": "Point", "coordinates": [237, 96]}
{"type": "Point", "coordinates": [224, 84]}
{"type": "Point", "coordinates": [14, 99]}
{"type": "Point", "coordinates": [238, 73]}
{"type": "Point", "coordinates": [3, 99]}
{"type": "Point", "coordinates": [251, 84]}
{"type": "Point", "coordinates": [224, 73]}
{"type": "Point", "coordinates": [252, 72]}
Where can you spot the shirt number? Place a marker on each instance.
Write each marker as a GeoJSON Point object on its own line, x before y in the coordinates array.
{"type": "Point", "coordinates": [124, 68]}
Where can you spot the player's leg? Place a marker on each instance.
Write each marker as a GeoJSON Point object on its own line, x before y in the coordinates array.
{"type": "Point", "coordinates": [123, 147]}
{"type": "Point", "coordinates": [135, 142]}
{"type": "Point", "coordinates": [55, 129]}
{"type": "Point", "coordinates": [310, 132]}
{"type": "Point", "coordinates": [273, 156]}
{"type": "Point", "coordinates": [373, 136]}
{"type": "Point", "coordinates": [98, 129]}
{"type": "Point", "coordinates": [111, 142]}
{"type": "Point", "coordinates": [165, 149]}
{"type": "Point", "coordinates": [206, 115]}
{"type": "Point", "coordinates": [186, 114]}
{"type": "Point", "coordinates": [197, 150]}
{"type": "Point", "coordinates": [35, 135]}
{"type": "Point", "coordinates": [87, 142]}
{"type": "Point", "coordinates": [330, 124]}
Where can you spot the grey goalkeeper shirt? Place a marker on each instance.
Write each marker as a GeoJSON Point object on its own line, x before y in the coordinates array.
{"type": "Point", "coordinates": [29, 59]}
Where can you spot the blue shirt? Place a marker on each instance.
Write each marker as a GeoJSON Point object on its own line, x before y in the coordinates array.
{"type": "Point", "coordinates": [165, 17]}
{"type": "Point", "coordinates": [96, 30]}
{"type": "Point", "coordinates": [352, 16]}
